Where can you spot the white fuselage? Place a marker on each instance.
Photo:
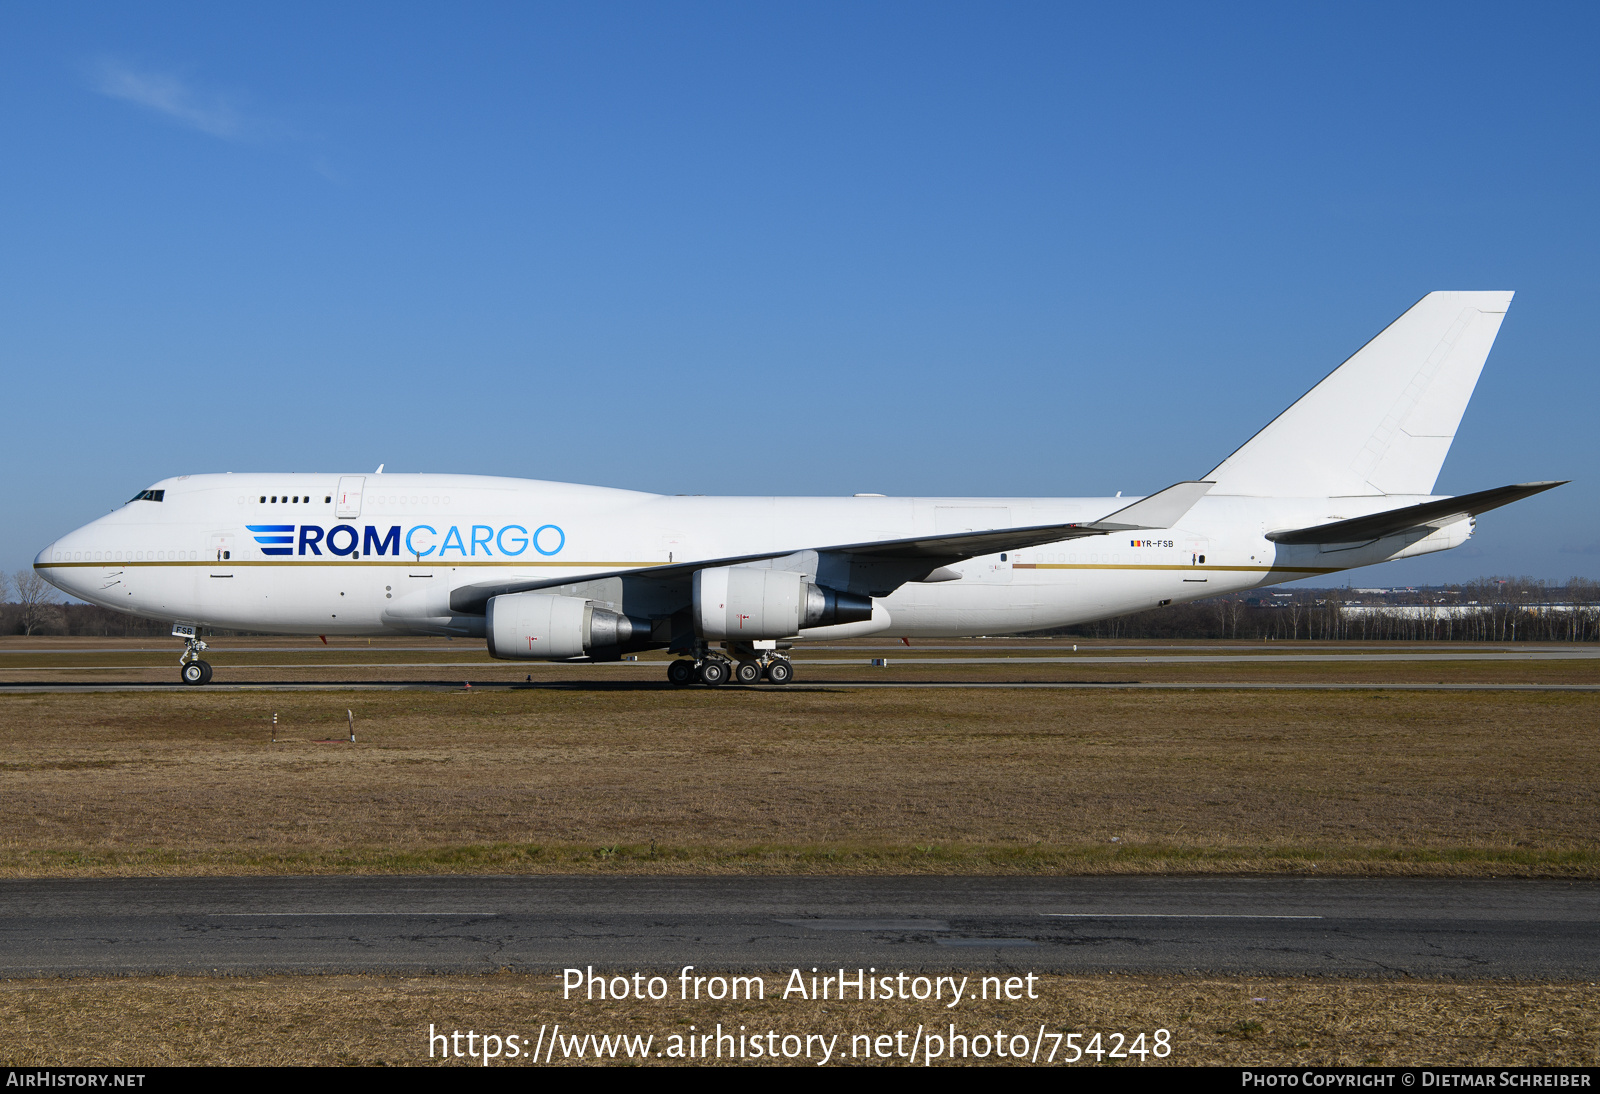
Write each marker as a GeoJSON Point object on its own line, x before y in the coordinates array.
{"type": "Point", "coordinates": [379, 554]}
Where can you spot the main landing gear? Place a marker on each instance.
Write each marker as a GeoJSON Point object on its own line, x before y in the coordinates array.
{"type": "Point", "coordinates": [193, 670]}
{"type": "Point", "coordinates": [713, 669]}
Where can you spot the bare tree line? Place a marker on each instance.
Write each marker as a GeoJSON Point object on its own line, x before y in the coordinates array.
{"type": "Point", "coordinates": [1487, 610]}
{"type": "Point", "coordinates": [33, 607]}
{"type": "Point", "coordinates": [35, 600]}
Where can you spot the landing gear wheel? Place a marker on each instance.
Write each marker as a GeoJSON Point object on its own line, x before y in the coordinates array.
{"type": "Point", "coordinates": [780, 671]}
{"type": "Point", "coordinates": [680, 672]}
{"type": "Point", "coordinates": [748, 672]}
{"type": "Point", "coordinates": [713, 673]}
{"type": "Point", "coordinates": [190, 667]}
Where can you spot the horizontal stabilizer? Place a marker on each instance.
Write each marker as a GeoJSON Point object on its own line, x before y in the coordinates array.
{"type": "Point", "coordinates": [1439, 513]}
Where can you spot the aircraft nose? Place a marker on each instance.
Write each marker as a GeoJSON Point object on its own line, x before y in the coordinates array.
{"type": "Point", "coordinates": [43, 565]}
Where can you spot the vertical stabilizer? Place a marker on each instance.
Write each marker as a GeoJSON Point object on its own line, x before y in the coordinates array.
{"type": "Point", "coordinates": [1382, 422]}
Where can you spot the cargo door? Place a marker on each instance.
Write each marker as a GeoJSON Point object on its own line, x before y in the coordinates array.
{"type": "Point", "coordinates": [955, 519]}
{"type": "Point", "coordinates": [347, 503]}
{"type": "Point", "coordinates": [1194, 556]}
{"type": "Point", "coordinates": [673, 547]}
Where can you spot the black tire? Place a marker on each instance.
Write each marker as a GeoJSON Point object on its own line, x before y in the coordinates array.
{"type": "Point", "coordinates": [194, 672]}
{"type": "Point", "coordinates": [207, 666]}
{"type": "Point", "coordinates": [680, 672]}
{"type": "Point", "coordinates": [780, 671]}
{"type": "Point", "coordinates": [747, 672]}
{"type": "Point", "coordinates": [713, 673]}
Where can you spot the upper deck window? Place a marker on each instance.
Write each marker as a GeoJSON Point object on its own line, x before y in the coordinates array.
{"type": "Point", "coordinates": [148, 495]}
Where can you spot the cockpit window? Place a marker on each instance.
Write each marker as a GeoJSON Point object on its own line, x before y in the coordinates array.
{"type": "Point", "coordinates": [148, 495]}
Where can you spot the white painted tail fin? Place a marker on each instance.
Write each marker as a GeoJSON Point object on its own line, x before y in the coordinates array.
{"type": "Point", "coordinates": [1382, 422]}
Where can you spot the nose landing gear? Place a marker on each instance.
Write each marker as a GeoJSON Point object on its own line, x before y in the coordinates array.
{"type": "Point", "coordinates": [190, 667]}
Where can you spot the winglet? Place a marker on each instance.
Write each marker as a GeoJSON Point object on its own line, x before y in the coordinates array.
{"type": "Point", "coordinates": [1161, 510]}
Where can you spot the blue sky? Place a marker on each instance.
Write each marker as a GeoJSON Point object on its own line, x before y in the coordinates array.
{"type": "Point", "coordinates": [802, 249]}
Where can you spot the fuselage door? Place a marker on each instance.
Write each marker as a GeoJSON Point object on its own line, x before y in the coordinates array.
{"type": "Point", "coordinates": [955, 519]}
{"type": "Point", "coordinates": [1194, 556]}
{"type": "Point", "coordinates": [347, 504]}
{"type": "Point", "coordinates": [672, 545]}
{"type": "Point", "coordinates": [221, 549]}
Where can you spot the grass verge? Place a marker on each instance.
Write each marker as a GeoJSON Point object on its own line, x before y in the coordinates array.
{"type": "Point", "coordinates": [506, 858]}
{"type": "Point", "coordinates": [724, 781]}
{"type": "Point", "coordinates": [375, 1020]}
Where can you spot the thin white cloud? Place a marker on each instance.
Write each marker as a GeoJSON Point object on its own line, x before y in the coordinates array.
{"type": "Point", "coordinates": [170, 96]}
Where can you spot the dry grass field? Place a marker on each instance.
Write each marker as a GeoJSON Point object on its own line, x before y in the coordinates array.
{"type": "Point", "coordinates": [604, 769]}
{"type": "Point", "coordinates": [616, 772]}
{"type": "Point", "coordinates": [140, 1022]}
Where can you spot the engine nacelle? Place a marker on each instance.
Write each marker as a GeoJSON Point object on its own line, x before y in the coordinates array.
{"type": "Point", "coordinates": [547, 627]}
{"type": "Point", "coordinates": [741, 603]}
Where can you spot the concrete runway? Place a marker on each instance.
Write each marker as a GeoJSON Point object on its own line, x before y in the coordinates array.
{"type": "Point", "coordinates": [1577, 654]}
{"type": "Point", "coordinates": [1251, 926]}
{"type": "Point", "coordinates": [799, 685]}
{"type": "Point", "coordinates": [462, 670]}
{"type": "Point", "coordinates": [969, 645]}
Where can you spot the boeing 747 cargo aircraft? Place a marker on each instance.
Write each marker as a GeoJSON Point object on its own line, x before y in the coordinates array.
{"type": "Point", "coordinates": [553, 571]}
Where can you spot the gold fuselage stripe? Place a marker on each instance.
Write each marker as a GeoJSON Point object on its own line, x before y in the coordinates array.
{"type": "Point", "coordinates": [227, 564]}
{"type": "Point", "coordinates": [458, 563]}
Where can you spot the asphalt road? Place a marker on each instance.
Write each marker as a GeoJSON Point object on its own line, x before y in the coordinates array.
{"type": "Point", "coordinates": [1262, 926]}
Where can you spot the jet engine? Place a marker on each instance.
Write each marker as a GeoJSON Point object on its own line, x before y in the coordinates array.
{"type": "Point", "coordinates": [740, 603]}
{"type": "Point", "coordinates": [547, 627]}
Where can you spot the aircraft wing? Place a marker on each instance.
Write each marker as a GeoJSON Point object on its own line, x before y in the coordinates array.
{"type": "Point", "coordinates": [877, 567]}
{"type": "Point", "coordinates": [1161, 510]}
{"type": "Point", "coordinates": [1440, 513]}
